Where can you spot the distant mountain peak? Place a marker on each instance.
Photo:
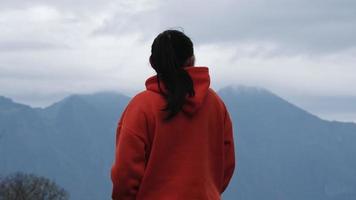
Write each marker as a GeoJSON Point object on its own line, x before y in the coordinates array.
{"type": "Point", "coordinates": [244, 89]}
{"type": "Point", "coordinates": [4, 100]}
{"type": "Point", "coordinates": [6, 103]}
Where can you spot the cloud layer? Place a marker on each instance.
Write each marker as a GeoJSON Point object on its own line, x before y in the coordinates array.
{"type": "Point", "coordinates": [49, 49]}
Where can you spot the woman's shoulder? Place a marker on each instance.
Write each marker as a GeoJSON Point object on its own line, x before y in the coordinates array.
{"type": "Point", "coordinates": [145, 96]}
{"type": "Point", "coordinates": [218, 99]}
{"type": "Point", "coordinates": [145, 99]}
{"type": "Point", "coordinates": [215, 95]}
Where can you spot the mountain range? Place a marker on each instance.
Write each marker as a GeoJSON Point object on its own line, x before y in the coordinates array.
{"type": "Point", "coordinates": [282, 151]}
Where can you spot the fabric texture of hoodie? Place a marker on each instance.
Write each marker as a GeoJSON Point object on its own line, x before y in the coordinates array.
{"type": "Point", "coordinates": [191, 157]}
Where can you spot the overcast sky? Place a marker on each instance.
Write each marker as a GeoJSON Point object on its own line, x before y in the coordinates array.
{"type": "Point", "coordinates": [302, 50]}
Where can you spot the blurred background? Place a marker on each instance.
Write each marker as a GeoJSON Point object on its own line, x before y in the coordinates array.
{"type": "Point", "coordinates": [286, 70]}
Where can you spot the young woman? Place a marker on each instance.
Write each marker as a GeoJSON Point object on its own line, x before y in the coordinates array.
{"type": "Point", "coordinates": [174, 140]}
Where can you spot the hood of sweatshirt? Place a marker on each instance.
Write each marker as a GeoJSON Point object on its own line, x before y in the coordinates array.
{"type": "Point", "coordinates": [201, 81]}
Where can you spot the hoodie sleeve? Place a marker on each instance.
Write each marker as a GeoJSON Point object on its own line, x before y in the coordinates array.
{"type": "Point", "coordinates": [229, 151]}
{"type": "Point", "coordinates": [130, 156]}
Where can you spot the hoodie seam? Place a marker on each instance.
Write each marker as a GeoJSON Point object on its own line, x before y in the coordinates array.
{"type": "Point", "coordinates": [134, 133]}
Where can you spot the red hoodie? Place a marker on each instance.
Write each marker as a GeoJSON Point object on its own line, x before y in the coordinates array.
{"type": "Point", "coordinates": [189, 158]}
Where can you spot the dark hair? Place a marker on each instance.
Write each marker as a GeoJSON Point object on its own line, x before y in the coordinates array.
{"type": "Point", "coordinates": [169, 53]}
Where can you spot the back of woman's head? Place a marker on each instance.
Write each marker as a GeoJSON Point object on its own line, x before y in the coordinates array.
{"type": "Point", "coordinates": [171, 51]}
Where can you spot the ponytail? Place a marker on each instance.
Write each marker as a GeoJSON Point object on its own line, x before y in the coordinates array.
{"type": "Point", "coordinates": [170, 51]}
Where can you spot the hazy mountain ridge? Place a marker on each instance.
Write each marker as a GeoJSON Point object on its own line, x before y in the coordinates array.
{"type": "Point", "coordinates": [65, 141]}
{"type": "Point", "coordinates": [282, 151]}
{"type": "Point", "coordinates": [287, 152]}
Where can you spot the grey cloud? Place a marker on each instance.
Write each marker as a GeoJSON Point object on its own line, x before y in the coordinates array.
{"type": "Point", "coordinates": [232, 36]}
{"type": "Point", "coordinates": [297, 26]}
{"type": "Point", "coordinates": [318, 26]}
{"type": "Point", "coordinates": [125, 23]}
{"type": "Point", "coordinates": [68, 5]}
{"type": "Point", "coordinates": [9, 46]}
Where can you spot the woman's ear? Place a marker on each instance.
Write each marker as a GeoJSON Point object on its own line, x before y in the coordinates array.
{"type": "Point", "coordinates": [193, 60]}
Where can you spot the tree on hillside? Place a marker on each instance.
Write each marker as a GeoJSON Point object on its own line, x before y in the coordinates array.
{"type": "Point", "coordinates": [21, 186]}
